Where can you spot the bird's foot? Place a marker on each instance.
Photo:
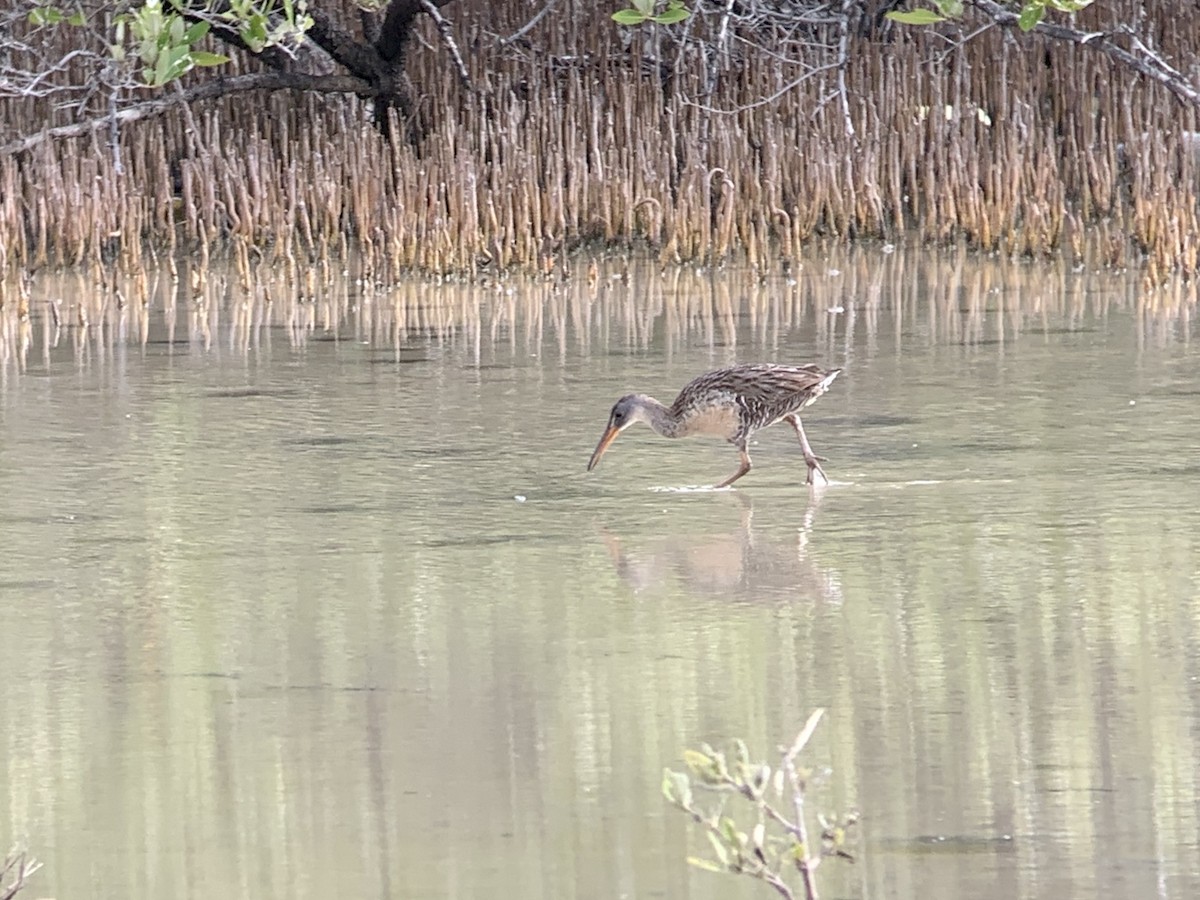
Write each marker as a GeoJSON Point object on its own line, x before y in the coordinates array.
{"type": "Point", "coordinates": [814, 466]}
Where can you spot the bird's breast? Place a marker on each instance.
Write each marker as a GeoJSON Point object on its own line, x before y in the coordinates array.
{"type": "Point", "coordinates": [718, 420]}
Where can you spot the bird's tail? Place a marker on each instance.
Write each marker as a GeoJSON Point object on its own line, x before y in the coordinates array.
{"type": "Point", "coordinates": [824, 383]}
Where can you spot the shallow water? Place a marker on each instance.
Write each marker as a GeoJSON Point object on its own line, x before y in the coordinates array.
{"type": "Point", "coordinates": [318, 599]}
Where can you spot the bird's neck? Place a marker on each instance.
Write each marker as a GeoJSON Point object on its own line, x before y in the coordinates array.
{"type": "Point", "coordinates": [659, 417]}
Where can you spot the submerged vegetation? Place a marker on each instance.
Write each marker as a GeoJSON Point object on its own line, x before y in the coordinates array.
{"type": "Point", "coordinates": [519, 138]}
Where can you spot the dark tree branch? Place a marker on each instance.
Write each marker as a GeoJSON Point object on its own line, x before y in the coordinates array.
{"type": "Point", "coordinates": [1140, 59]}
{"type": "Point", "coordinates": [373, 68]}
{"type": "Point", "coordinates": [221, 87]}
{"type": "Point", "coordinates": [394, 35]}
{"type": "Point", "coordinates": [397, 27]}
{"type": "Point", "coordinates": [360, 59]}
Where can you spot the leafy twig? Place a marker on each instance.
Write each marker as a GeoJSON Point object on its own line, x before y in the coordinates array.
{"type": "Point", "coordinates": [762, 853]}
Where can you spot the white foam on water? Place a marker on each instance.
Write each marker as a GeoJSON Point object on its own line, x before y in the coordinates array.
{"type": "Point", "coordinates": [692, 489]}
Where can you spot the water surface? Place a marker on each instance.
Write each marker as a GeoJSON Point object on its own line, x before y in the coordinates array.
{"type": "Point", "coordinates": [316, 599]}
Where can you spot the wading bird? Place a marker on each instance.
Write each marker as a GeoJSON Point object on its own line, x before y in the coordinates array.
{"type": "Point", "coordinates": [730, 403]}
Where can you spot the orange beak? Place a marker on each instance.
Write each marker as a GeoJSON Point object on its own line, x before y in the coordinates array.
{"type": "Point", "coordinates": [610, 435]}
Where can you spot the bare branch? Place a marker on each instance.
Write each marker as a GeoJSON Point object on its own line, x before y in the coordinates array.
{"type": "Point", "coordinates": [805, 735]}
{"type": "Point", "coordinates": [262, 81]}
{"type": "Point", "coordinates": [1141, 59]}
{"type": "Point", "coordinates": [530, 25]}
{"type": "Point", "coordinates": [443, 28]}
{"type": "Point", "coordinates": [771, 98]}
{"type": "Point", "coordinates": [808, 862]}
{"type": "Point", "coordinates": [720, 49]}
{"type": "Point", "coordinates": [842, 57]}
{"type": "Point", "coordinates": [14, 869]}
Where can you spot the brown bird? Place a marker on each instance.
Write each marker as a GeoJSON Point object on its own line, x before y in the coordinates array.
{"type": "Point", "coordinates": [730, 403]}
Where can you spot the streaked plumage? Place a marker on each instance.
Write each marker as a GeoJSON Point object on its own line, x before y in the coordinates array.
{"type": "Point", "coordinates": [729, 403]}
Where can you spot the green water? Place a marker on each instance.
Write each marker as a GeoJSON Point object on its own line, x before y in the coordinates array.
{"type": "Point", "coordinates": [318, 600]}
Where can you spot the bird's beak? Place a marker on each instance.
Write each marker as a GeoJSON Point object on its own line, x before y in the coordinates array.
{"type": "Point", "coordinates": [610, 435]}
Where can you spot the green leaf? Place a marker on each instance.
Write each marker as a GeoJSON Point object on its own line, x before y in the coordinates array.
{"type": "Point", "coordinates": [681, 788]}
{"type": "Point", "coordinates": [951, 9]}
{"type": "Point", "coordinates": [254, 33]}
{"type": "Point", "coordinates": [729, 830]}
{"type": "Point", "coordinates": [720, 849]}
{"type": "Point", "coordinates": [706, 864]}
{"type": "Point", "coordinates": [722, 768]}
{"type": "Point", "coordinates": [77, 19]}
{"type": "Point", "coordinates": [696, 761]}
{"type": "Point", "coordinates": [628, 17]}
{"type": "Point", "coordinates": [195, 32]}
{"type": "Point", "coordinates": [44, 15]}
{"type": "Point", "coordinates": [1030, 16]}
{"type": "Point", "coordinates": [916, 17]}
{"type": "Point", "coordinates": [741, 752]}
{"type": "Point", "coordinates": [671, 16]}
{"type": "Point", "coordinates": [204, 58]}
{"type": "Point", "coordinates": [162, 68]}
{"type": "Point", "coordinates": [645, 7]}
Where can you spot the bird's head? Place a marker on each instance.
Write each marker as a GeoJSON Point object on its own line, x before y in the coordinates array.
{"type": "Point", "coordinates": [629, 409]}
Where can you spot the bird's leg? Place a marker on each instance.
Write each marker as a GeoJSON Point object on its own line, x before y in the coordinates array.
{"type": "Point", "coordinates": [742, 469]}
{"type": "Point", "coordinates": [811, 459]}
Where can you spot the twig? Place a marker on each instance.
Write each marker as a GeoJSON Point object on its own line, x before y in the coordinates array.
{"type": "Point", "coordinates": [114, 134]}
{"type": "Point", "coordinates": [765, 100]}
{"type": "Point", "coordinates": [722, 39]}
{"type": "Point", "coordinates": [843, 56]}
{"type": "Point", "coordinates": [804, 736]}
{"type": "Point", "coordinates": [260, 81]}
{"type": "Point", "coordinates": [1148, 63]}
{"type": "Point", "coordinates": [761, 853]}
{"type": "Point", "coordinates": [443, 28]}
{"type": "Point", "coordinates": [530, 25]}
{"type": "Point", "coordinates": [20, 863]}
{"type": "Point", "coordinates": [807, 864]}
{"type": "Point", "coordinates": [15, 88]}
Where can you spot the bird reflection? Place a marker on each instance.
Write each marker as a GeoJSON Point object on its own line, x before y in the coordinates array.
{"type": "Point", "coordinates": [739, 563]}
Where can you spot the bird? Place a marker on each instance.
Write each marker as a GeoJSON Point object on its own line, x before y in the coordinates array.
{"type": "Point", "coordinates": [730, 403]}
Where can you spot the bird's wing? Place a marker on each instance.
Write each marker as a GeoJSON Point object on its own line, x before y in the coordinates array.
{"type": "Point", "coordinates": [765, 392]}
